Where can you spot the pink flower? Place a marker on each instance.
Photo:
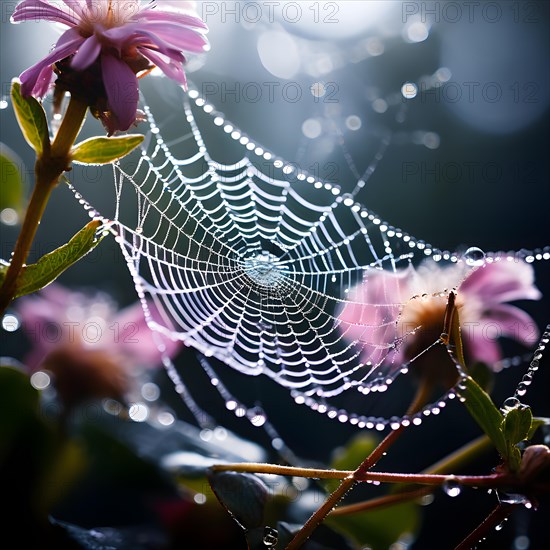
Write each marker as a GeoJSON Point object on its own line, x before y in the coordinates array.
{"type": "Point", "coordinates": [396, 315]}
{"type": "Point", "coordinates": [119, 39]}
{"type": "Point", "coordinates": [57, 317]}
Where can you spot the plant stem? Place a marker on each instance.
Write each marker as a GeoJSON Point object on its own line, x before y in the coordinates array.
{"type": "Point", "coordinates": [381, 502]}
{"type": "Point", "coordinates": [39, 198]}
{"type": "Point", "coordinates": [420, 399]}
{"type": "Point", "coordinates": [492, 480]}
{"type": "Point", "coordinates": [263, 468]}
{"type": "Point", "coordinates": [447, 464]}
{"type": "Point", "coordinates": [69, 129]}
{"type": "Point", "coordinates": [48, 169]}
{"type": "Point", "coordinates": [497, 516]}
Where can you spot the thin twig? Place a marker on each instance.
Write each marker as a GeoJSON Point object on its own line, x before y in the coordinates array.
{"type": "Point", "coordinates": [492, 480]}
{"type": "Point", "coordinates": [496, 517]}
{"type": "Point", "coordinates": [420, 399]}
{"type": "Point", "coordinates": [49, 167]}
{"type": "Point", "coordinates": [381, 502]}
{"type": "Point", "coordinates": [263, 468]}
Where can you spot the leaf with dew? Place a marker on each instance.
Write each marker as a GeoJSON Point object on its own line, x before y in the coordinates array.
{"type": "Point", "coordinates": [32, 119]}
{"type": "Point", "coordinates": [33, 277]}
{"type": "Point", "coordinates": [103, 150]}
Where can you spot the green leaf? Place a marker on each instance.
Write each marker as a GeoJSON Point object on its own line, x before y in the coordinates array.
{"type": "Point", "coordinates": [32, 119]}
{"type": "Point", "coordinates": [514, 458]}
{"type": "Point", "coordinates": [11, 180]}
{"type": "Point", "coordinates": [350, 456]}
{"type": "Point", "coordinates": [103, 150]}
{"type": "Point", "coordinates": [484, 412]}
{"type": "Point", "coordinates": [516, 424]}
{"type": "Point", "coordinates": [33, 277]}
{"type": "Point", "coordinates": [242, 495]}
{"type": "Point", "coordinates": [378, 529]}
{"type": "Point", "coordinates": [451, 331]}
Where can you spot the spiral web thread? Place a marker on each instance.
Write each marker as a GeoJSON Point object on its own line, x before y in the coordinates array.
{"type": "Point", "coordinates": [251, 262]}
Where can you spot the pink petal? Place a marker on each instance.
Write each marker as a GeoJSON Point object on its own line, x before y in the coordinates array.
{"type": "Point", "coordinates": [39, 10]}
{"type": "Point", "coordinates": [173, 17]}
{"type": "Point", "coordinates": [43, 82]}
{"type": "Point", "coordinates": [481, 337]}
{"type": "Point", "coordinates": [479, 346]}
{"type": "Point", "coordinates": [372, 311]}
{"type": "Point", "coordinates": [136, 339]}
{"type": "Point", "coordinates": [87, 54]}
{"type": "Point", "coordinates": [122, 90]}
{"type": "Point", "coordinates": [173, 34]}
{"type": "Point", "coordinates": [513, 323]}
{"type": "Point", "coordinates": [502, 281]}
{"type": "Point", "coordinates": [170, 69]}
{"type": "Point", "coordinates": [134, 35]}
{"type": "Point", "coordinates": [29, 78]}
{"type": "Point", "coordinates": [77, 6]}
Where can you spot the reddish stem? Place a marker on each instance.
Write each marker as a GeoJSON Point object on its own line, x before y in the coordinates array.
{"type": "Point", "coordinates": [496, 517]}
{"type": "Point", "coordinates": [493, 480]}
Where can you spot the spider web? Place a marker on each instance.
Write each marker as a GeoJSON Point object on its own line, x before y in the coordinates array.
{"type": "Point", "coordinates": [250, 260]}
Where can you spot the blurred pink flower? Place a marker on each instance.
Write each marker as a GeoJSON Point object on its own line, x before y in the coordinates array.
{"type": "Point", "coordinates": [123, 36]}
{"type": "Point", "coordinates": [57, 317]}
{"type": "Point", "coordinates": [387, 307]}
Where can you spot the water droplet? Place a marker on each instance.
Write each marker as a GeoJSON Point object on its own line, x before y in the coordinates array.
{"type": "Point", "coordinates": [264, 326]}
{"type": "Point", "coordinates": [527, 379]}
{"type": "Point", "coordinates": [409, 90]}
{"type": "Point", "coordinates": [9, 216]}
{"type": "Point", "coordinates": [231, 405]}
{"type": "Point", "coordinates": [271, 537]}
{"type": "Point", "coordinates": [342, 416]}
{"type": "Point", "coordinates": [150, 391]}
{"type": "Point", "coordinates": [200, 498]}
{"type": "Point", "coordinates": [521, 389]}
{"type": "Point", "coordinates": [256, 416]}
{"type": "Point", "coordinates": [511, 403]}
{"type": "Point", "coordinates": [138, 412]}
{"type": "Point", "coordinates": [40, 380]}
{"type": "Point", "coordinates": [426, 500]}
{"type": "Point", "coordinates": [395, 423]}
{"type": "Point", "coordinates": [474, 256]}
{"type": "Point", "coordinates": [10, 322]}
{"type": "Point", "coordinates": [514, 498]}
{"type": "Point", "coordinates": [3, 103]}
{"type": "Point", "coordinates": [452, 488]}
{"type": "Point", "coordinates": [521, 543]}
{"type": "Point", "coordinates": [353, 122]}
{"type": "Point", "coordinates": [240, 411]}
